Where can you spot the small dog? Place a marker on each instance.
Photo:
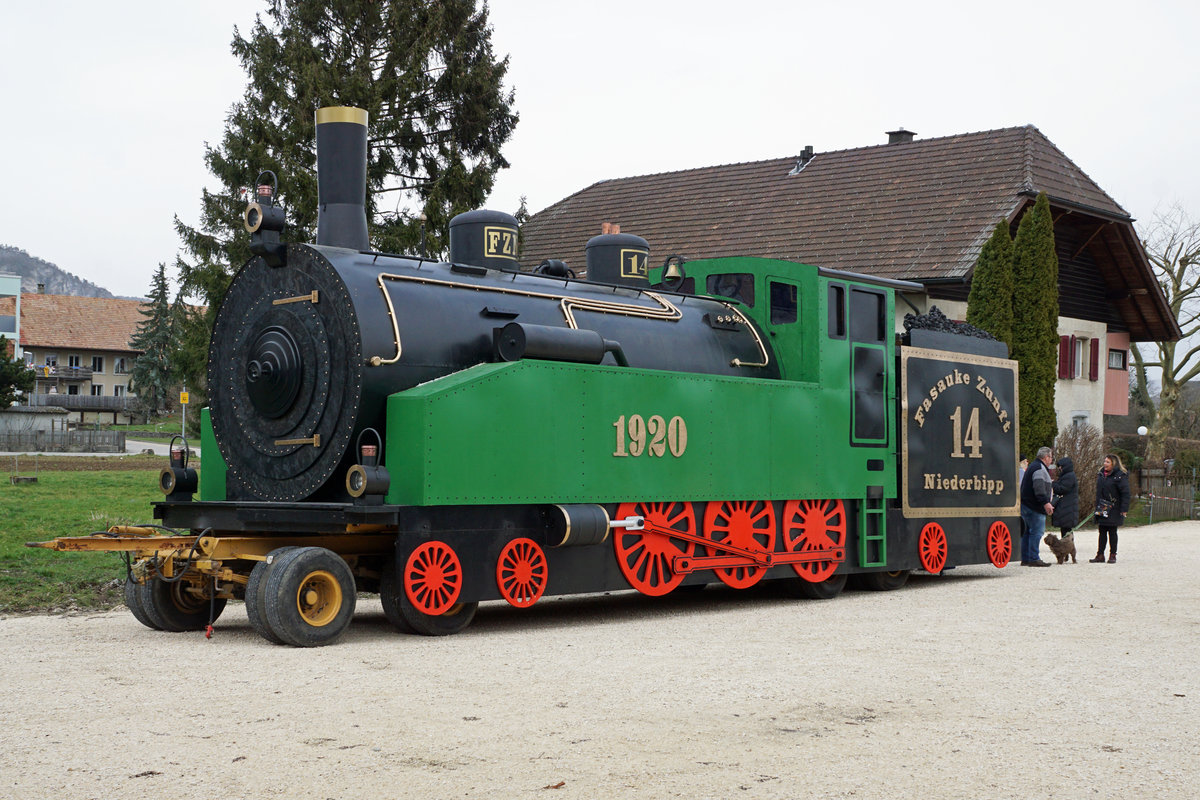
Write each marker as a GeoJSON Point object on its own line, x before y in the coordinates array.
{"type": "Point", "coordinates": [1062, 548]}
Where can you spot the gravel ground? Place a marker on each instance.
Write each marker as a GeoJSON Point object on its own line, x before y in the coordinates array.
{"type": "Point", "coordinates": [1076, 681]}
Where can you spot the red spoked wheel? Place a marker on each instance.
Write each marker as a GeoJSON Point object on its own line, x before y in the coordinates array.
{"type": "Point", "coordinates": [999, 544]}
{"type": "Point", "coordinates": [645, 556]}
{"type": "Point", "coordinates": [932, 548]}
{"type": "Point", "coordinates": [749, 525]}
{"type": "Point", "coordinates": [433, 578]}
{"type": "Point", "coordinates": [521, 572]}
{"type": "Point", "coordinates": [815, 525]}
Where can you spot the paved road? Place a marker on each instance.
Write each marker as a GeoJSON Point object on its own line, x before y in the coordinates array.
{"type": "Point", "coordinates": [1071, 682]}
{"type": "Point", "coordinates": [134, 446]}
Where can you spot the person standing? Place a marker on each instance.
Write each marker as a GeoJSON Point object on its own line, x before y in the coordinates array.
{"type": "Point", "coordinates": [1036, 492]}
{"type": "Point", "coordinates": [1112, 504]}
{"type": "Point", "coordinates": [1066, 496]}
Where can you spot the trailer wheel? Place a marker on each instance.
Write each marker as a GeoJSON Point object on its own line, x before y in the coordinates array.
{"type": "Point", "coordinates": [827, 589]}
{"type": "Point", "coordinates": [883, 581]}
{"type": "Point", "coordinates": [309, 597]}
{"type": "Point", "coordinates": [171, 607]}
{"type": "Point", "coordinates": [256, 609]}
{"type": "Point", "coordinates": [133, 600]}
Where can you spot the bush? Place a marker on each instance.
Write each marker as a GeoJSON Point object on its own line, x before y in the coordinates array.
{"type": "Point", "coordinates": [1084, 444]}
{"type": "Point", "coordinates": [1187, 464]}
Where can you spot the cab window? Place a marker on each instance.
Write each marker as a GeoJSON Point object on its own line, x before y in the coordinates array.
{"type": "Point", "coordinates": [734, 285]}
{"type": "Point", "coordinates": [784, 309]}
{"type": "Point", "coordinates": [867, 323]}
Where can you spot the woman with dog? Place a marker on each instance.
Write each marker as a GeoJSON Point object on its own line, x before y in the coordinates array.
{"type": "Point", "coordinates": [1112, 504]}
{"type": "Point", "coordinates": [1066, 496]}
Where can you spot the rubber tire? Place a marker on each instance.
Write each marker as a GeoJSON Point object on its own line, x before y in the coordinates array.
{"type": "Point", "coordinates": [169, 611]}
{"type": "Point", "coordinates": [133, 601]}
{"type": "Point", "coordinates": [390, 592]}
{"type": "Point", "coordinates": [283, 583]}
{"type": "Point", "coordinates": [256, 610]}
{"type": "Point", "coordinates": [827, 589]}
{"type": "Point", "coordinates": [456, 619]}
{"type": "Point", "coordinates": [883, 581]}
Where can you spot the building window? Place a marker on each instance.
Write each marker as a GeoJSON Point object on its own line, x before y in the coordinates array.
{"type": "Point", "coordinates": [73, 361]}
{"type": "Point", "coordinates": [1116, 359]}
{"type": "Point", "coordinates": [51, 359]}
{"type": "Point", "coordinates": [73, 389]}
{"type": "Point", "coordinates": [1077, 361]}
{"type": "Point", "coordinates": [118, 391]}
{"type": "Point", "coordinates": [1079, 419]}
{"type": "Point", "coordinates": [97, 391]}
{"type": "Point", "coordinates": [119, 367]}
{"type": "Point", "coordinates": [28, 358]}
{"type": "Point", "coordinates": [98, 364]}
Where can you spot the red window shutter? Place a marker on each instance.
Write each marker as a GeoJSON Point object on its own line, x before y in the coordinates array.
{"type": "Point", "coordinates": [1064, 356]}
{"type": "Point", "coordinates": [1094, 373]}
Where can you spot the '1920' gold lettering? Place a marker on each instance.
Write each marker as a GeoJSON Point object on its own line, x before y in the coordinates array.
{"type": "Point", "coordinates": [654, 437]}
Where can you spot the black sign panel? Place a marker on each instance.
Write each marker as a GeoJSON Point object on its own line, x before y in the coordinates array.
{"type": "Point", "coordinates": [959, 434]}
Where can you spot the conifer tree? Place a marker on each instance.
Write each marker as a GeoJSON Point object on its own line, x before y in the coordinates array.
{"type": "Point", "coordinates": [990, 304]}
{"type": "Point", "coordinates": [1035, 324]}
{"type": "Point", "coordinates": [153, 376]}
{"type": "Point", "coordinates": [15, 377]}
{"type": "Point", "coordinates": [438, 115]}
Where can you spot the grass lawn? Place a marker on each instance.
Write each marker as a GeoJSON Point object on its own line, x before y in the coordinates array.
{"type": "Point", "coordinates": [91, 496]}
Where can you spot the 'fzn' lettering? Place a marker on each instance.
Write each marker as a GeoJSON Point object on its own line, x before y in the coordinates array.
{"type": "Point", "coordinates": [500, 242]}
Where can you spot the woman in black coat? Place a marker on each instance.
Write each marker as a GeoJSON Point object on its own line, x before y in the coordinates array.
{"type": "Point", "coordinates": [1112, 503]}
{"type": "Point", "coordinates": [1066, 496]}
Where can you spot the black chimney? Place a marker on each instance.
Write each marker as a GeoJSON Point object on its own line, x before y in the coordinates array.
{"type": "Point", "coordinates": [342, 177]}
{"type": "Point", "coordinates": [806, 155]}
{"type": "Point", "coordinates": [900, 136]}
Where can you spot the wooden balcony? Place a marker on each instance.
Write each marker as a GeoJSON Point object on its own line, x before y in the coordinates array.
{"type": "Point", "coordinates": [83, 402]}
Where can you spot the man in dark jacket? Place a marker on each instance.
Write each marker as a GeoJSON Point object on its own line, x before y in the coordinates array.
{"type": "Point", "coordinates": [1066, 496]}
{"type": "Point", "coordinates": [1035, 505]}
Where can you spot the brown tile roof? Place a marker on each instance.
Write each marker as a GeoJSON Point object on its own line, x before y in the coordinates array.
{"type": "Point", "coordinates": [912, 211]}
{"type": "Point", "coordinates": [92, 323]}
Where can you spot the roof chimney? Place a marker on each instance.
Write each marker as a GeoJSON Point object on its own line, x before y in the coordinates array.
{"type": "Point", "coordinates": [900, 136]}
{"type": "Point", "coordinates": [806, 156]}
{"type": "Point", "coordinates": [41, 288]}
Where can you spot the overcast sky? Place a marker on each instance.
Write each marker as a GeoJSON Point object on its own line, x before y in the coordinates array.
{"type": "Point", "coordinates": [108, 105]}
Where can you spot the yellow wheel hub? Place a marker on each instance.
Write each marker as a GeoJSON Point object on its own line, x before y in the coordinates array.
{"type": "Point", "coordinates": [319, 598]}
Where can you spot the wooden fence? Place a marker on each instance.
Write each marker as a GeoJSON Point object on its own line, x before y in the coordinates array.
{"type": "Point", "coordinates": [1168, 496]}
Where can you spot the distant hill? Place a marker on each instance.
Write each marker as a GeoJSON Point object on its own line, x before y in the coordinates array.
{"type": "Point", "coordinates": [34, 270]}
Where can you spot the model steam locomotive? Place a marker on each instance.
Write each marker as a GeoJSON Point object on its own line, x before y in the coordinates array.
{"type": "Point", "coordinates": [451, 433]}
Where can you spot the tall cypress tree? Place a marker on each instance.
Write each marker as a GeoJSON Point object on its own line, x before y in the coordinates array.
{"type": "Point", "coordinates": [438, 115]}
{"type": "Point", "coordinates": [990, 304]}
{"type": "Point", "coordinates": [1035, 324]}
{"type": "Point", "coordinates": [153, 378]}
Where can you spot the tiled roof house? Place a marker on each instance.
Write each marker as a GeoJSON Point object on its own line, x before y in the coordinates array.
{"type": "Point", "coordinates": [79, 348]}
{"type": "Point", "coordinates": [912, 209]}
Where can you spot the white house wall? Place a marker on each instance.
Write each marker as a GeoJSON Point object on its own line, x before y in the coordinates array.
{"type": "Point", "coordinates": [1075, 398]}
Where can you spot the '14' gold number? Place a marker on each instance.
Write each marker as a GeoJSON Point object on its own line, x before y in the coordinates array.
{"type": "Point", "coordinates": [970, 440]}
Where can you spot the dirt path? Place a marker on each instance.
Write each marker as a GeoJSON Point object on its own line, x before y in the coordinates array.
{"type": "Point", "coordinates": [1077, 681]}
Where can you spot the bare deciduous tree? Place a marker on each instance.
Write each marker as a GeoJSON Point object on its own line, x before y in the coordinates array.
{"type": "Point", "coordinates": [1172, 243]}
